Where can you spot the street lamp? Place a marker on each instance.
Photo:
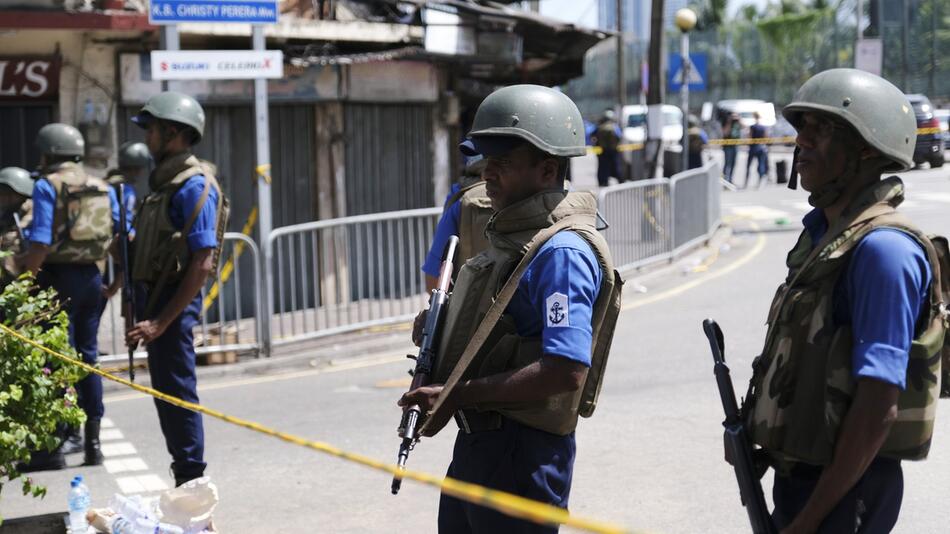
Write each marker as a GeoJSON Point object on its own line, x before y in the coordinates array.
{"type": "Point", "coordinates": [685, 20]}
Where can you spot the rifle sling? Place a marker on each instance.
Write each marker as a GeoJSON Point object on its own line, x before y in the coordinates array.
{"type": "Point", "coordinates": [491, 317]}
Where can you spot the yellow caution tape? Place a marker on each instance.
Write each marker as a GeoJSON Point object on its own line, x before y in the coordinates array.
{"type": "Point", "coordinates": [229, 265]}
{"type": "Point", "coordinates": [596, 150]}
{"type": "Point", "coordinates": [505, 503]}
{"type": "Point", "coordinates": [263, 171]}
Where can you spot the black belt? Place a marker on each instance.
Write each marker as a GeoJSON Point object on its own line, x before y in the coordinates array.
{"type": "Point", "coordinates": [473, 421]}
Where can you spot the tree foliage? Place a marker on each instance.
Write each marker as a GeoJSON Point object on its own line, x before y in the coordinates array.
{"type": "Point", "coordinates": [37, 391]}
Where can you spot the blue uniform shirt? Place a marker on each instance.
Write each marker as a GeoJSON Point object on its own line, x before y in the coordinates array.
{"type": "Point", "coordinates": [44, 204]}
{"type": "Point", "coordinates": [203, 233]}
{"type": "Point", "coordinates": [880, 294]}
{"type": "Point", "coordinates": [128, 192]}
{"type": "Point", "coordinates": [555, 297]}
{"type": "Point", "coordinates": [447, 227]}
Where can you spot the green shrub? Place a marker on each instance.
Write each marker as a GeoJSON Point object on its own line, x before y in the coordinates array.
{"type": "Point", "coordinates": [36, 389]}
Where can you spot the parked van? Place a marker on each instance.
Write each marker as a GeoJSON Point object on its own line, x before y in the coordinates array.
{"type": "Point", "coordinates": [635, 124]}
{"type": "Point", "coordinates": [746, 110]}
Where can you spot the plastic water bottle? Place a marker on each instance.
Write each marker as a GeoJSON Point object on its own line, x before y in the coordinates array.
{"type": "Point", "coordinates": [120, 525]}
{"type": "Point", "coordinates": [78, 505]}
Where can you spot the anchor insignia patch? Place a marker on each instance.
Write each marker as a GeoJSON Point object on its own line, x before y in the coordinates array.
{"type": "Point", "coordinates": [557, 312]}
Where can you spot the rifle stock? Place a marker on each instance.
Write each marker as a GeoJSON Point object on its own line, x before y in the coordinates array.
{"type": "Point", "coordinates": [425, 360]}
{"type": "Point", "coordinates": [737, 442]}
{"type": "Point", "coordinates": [128, 295]}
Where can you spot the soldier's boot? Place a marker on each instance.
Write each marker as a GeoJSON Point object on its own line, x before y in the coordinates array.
{"type": "Point", "coordinates": [44, 461]}
{"type": "Point", "coordinates": [73, 443]}
{"type": "Point", "coordinates": [93, 450]}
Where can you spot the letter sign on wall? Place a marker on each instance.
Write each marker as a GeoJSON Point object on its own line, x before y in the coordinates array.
{"type": "Point", "coordinates": [29, 78]}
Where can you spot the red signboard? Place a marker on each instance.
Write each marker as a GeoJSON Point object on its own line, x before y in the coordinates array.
{"type": "Point", "coordinates": [29, 78]}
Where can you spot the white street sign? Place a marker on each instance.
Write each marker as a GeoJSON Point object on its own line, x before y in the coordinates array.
{"type": "Point", "coordinates": [216, 64]}
{"type": "Point", "coordinates": [869, 55]}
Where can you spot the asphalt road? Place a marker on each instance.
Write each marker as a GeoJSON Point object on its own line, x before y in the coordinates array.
{"type": "Point", "coordinates": [650, 458]}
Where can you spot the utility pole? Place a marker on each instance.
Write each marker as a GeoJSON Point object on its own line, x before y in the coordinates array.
{"type": "Point", "coordinates": [621, 72]}
{"type": "Point", "coordinates": [655, 88]}
{"type": "Point", "coordinates": [905, 53]}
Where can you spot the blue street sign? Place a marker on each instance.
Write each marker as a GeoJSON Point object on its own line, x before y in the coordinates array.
{"type": "Point", "coordinates": [237, 11]}
{"type": "Point", "coordinates": [697, 72]}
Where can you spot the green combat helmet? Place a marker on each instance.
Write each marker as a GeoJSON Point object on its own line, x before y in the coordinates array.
{"type": "Point", "coordinates": [59, 139]}
{"type": "Point", "coordinates": [134, 155]}
{"type": "Point", "coordinates": [874, 107]}
{"type": "Point", "coordinates": [546, 118]}
{"type": "Point", "coordinates": [18, 180]}
{"type": "Point", "coordinates": [176, 107]}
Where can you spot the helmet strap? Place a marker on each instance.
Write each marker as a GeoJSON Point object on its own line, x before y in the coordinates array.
{"type": "Point", "coordinates": [793, 178]}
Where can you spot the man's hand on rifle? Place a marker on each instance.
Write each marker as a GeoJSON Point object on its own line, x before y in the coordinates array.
{"type": "Point", "coordinates": [426, 397]}
{"type": "Point", "coordinates": [144, 332]}
{"type": "Point", "coordinates": [418, 324]}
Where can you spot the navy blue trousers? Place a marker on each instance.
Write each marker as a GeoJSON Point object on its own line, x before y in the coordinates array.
{"type": "Point", "coordinates": [871, 507]}
{"type": "Point", "coordinates": [608, 164]}
{"type": "Point", "coordinates": [80, 289]}
{"type": "Point", "coordinates": [516, 459]}
{"type": "Point", "coordinates": [171, 366]}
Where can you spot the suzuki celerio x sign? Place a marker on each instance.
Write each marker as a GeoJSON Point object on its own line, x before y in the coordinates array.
{"type": "Point", "coordinates": [217, 64]}
{"type": "Point", "coordinates": [243, 11]}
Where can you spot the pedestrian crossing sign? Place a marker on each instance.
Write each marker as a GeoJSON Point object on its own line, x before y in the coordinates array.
{"type": "Point", "coordinates": [697, 72]}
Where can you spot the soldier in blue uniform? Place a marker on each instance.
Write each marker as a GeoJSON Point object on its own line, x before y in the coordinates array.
{"type": "Point", "coordinates": [518, 406]}
{"type": "Point", "coordinates": [179, 229]}
{"type": "Point", "coordinates": [74, 217]}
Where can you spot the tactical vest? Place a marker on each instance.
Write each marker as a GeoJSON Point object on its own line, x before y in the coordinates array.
{"type": "Point", "coordinates": [82, 217]}
{"type": "Point", "coordinates": [161, 250]}
{"type": "Point", "coordinates": [474, 213]}
{"type": "Point", "coordinates": [802, 384]}
{"type": "Point", "coordinates": [511, 233]}
{"type": "Point", "coordinates": [10, 241]}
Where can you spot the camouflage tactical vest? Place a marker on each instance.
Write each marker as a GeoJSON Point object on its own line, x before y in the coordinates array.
{"type": "Point", "coordinates": [161, 251]}
{"type": "Point", "coordinates": [10, 241]}
{"type": "Point", "coordinates": [802, 384]}
{"type": "Point", "coordinates": [474, 213]}
{"type": "Point", "coordinates": [510, 233]}
{"type": "Point", "coordinates": [82, 217]}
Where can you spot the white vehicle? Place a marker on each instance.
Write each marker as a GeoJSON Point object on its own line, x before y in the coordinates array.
{"type": "Point", "coordinates": [635, 124]}
{"type": "Point", "coordinates": [746, 110]}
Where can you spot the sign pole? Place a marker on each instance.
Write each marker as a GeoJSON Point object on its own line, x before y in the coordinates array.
{"type": "Point", "coordinates": [169, 41]}
{"type": "Point", "coordinates": [684, 95]}
{"type": "Point", "coordinates": [262, 128]}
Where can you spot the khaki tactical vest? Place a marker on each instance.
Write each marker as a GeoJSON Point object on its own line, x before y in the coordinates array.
{"type": "Point", "coordinates": [802, 384]}
{"type": "Point", "coordinates": [82, 217]}
{"type": "Point", "coordinates": [161, 250]}
{"type": "Point", "coordinates": [474, 213]}
{"type": "Point", "coordinates": [10, 241]}
{"type": "Point", "coordinates": [511, 234]}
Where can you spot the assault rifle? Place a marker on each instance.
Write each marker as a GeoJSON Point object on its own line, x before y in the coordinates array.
{"type": "Point", "coordinates": [19, 229]}
{"type": "Point", "coordinates": [738, 444]}
{"type": "Point", "coordinates": [128, 295]}
{"type": "Point", "coordinates": [425, 360]}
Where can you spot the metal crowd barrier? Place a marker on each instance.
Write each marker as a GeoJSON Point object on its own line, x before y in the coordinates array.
{"type": "Point", "coordinates": [350, 273]}
{"type": "Point", "coordinates": [654, 220]}
{"type": "Point", "coordinates": [230, 324]}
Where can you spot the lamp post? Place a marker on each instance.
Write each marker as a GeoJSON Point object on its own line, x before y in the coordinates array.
{"type": "Point", "coordinates": [685, 20]}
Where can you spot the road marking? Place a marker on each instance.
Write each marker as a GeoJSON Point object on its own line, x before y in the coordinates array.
{"type": "Point", "coordinates": [123, 448]}
{"type": "Point", "coordinates": [371, 361]}
{"type": "Point", "coordinates": [141, 484]}
{"type": "Point", "coordinates": [758, 212]}
{"type": "Point", "coordinates": [105, 422]}
{"type": "Point", "coordinates": [746, 258]}
{"type": "Point", "coordinates": [110, 434]}
{"type": "Point", "coordinates": [122, 465]}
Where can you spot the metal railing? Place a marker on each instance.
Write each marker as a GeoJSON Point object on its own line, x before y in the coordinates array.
{"type": "Point", "coordinates": [229, 324]}
{"type": "Point", "coordinates": [350, 273]}
{"type": "Point", "coordinates": [654, 220]}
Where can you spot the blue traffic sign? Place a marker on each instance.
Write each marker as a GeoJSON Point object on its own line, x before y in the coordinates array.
{"type": "Point", "coordinates": [697, 72]}
{"type": "Point", "coordinates": [236, 11]}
